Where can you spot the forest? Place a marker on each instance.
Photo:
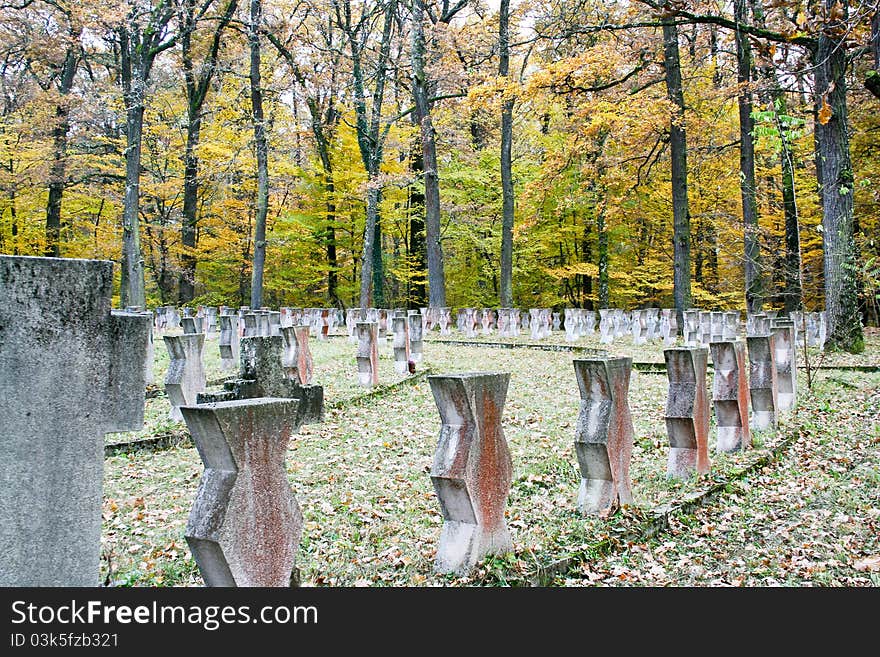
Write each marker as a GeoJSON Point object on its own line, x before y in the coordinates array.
{"type": "Point", "coordinates": [408, 153]}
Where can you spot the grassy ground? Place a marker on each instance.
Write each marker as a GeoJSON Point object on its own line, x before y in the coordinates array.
{"type": "Point", "coordinates": [801, 507]}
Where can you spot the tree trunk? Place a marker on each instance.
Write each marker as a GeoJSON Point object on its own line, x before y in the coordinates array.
{"type": "Point", "coordinates": [132, 292]}
{"type": "Point", "coordinates": [507, 201]}
{"type": "Point", "coordinates": [754, 286]}
{"type": "Point", "coordinates": [422, 116]}
{"type": "Point", "coordinates": [678, 144]}
{"type": "Point", "coordinates": [841, 290]}
{"type": "Point", "coordinates": [378, 263]}
{"type": "Point", "coordinates": [196, 84]}
{"type": "Point", "coordinates": [417, 247]}
{"type": "Point", "coordinates": [373, 196]}
{"type": "Point", "coordinates": [262, 153]}
{"type": "Point", "coordinates": [186, 284]}
{"type": "Point", "coordinates": [793, 295]}
{"type": "Point", "coordinates": [59, 161]}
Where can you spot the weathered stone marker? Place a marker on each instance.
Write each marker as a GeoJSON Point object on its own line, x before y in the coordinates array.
{"type": "Point", "coordinates": [367, 354]}
{"type": "Point", "coordinates": [606, 326]}
{"type": "Point", "coordinates": [185, 378]}
{"type": "Point", "coordinates": [687, 412]}
{"type": "Point", "coordinates": [472, 469]}
{"type": "Point", "coordinates": [264, 372]}
{"type": "Point", "coordinates": [604, 434]}
{"type": "Point", "coordinates": [762, 381]}
{"type": "Point", "coordinates": [786, 369]}
{"type": "Point", "coordinates": [415, 335]}
{"type": "Point", "coordinates": [730, 394]}
{"type": "Point", "coordinates": [245, 524]}
{"type": "Point", "coordinates": [297, 358]}
{"type": "Point", "coordinates": [400, 330]}
{"type": "Point", "coordinates": [230, 340]}
{"type": "Point", "coordinates": [64, 384]}
{"type": "Point", "coordinates": [193, 325]}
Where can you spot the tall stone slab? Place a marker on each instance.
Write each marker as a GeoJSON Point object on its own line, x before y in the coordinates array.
{"type": "Point", "coordinates": [210, 321]}
{"type": "Point", "coordinates": [229, 342]}
{"type": "Point", "coordinates": [71, 370]}
{"type": "Point", "coordinates": [604, 434]}
{"type": "Point", "coordinates": [606, 326]}
{"type": "Point", "coordinates": [245, 524]}
{"type": "Point", "coordinates": [731, 325]}
{"type": "Point", "coordinates": [786, 364]}
{"type": "Point", "coordinates": [589, 322]}
{"type": "Point", "coordinates": [185, 377]}
{"type": "Point", "coordinates": [297, 358]}
{"type": "Point", "coordinates": [653, 323]}
{"type": "Point", "coordinates": [415, 336]}
{"type": "Point", "coordinates": [487, 320]}
{"type": "Point", "coordinates": [687, 411]}
{"type": "Point", "coordinates": [264, 322]}
{"type": "Point", "coordinates": [716, 333]}
{"type": "Point", "coordinates": [691, 329]}
{"type": "Point", "coordinates": [400, 330]}
{"type": "Point", "coordinates": [730, 395]}
{"type": "Point", "coordinates": [762, 381]}
{"type": "Point", "coordinates": [192, 325]}
{"type": "Point", "coordinates": [472, 469]}
{"type": "Point", "coordinates": [537, 330]}
{"type": "Point", "coordinates": [274, 322]}
{"type": "Point", "coordinates": [639, 327]}
{"type": "Point", "coordinates": [368, 354]}
{"type": "Point", "coordinates": [570, 324]}
{"type": "Point", "coordinates": [250, 326]}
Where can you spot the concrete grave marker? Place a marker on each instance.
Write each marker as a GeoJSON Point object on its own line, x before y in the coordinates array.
{"type": "Point", "coordinates": [230, 340]}
{"type": "Point", "coordinates": [786, 368]}
{"type": "Point", "coordinates": [72, 370]}
{"type": "Point", "coordinates": [297, 358]}
{"type": "Point", "coordinates": [415, 336]}
{"type": "Point", "coordinates": [730, 395]}
{"type": "Point", "coordinates": [762, 381]}
{"type": "Point", "coordinates": [687, 411]}
{"type": "Point", "coordinates": [185, 377]}
{"type": "Point", "coordinates": [604, 434]}
{"type": "Point", "coordinates": [367, 354]}
{"type": "Point", "coordinates": [400, 330]}
{"type": "Point", "coordinates": [472, 469]}
{"type": "Point", "coordinates": [245, 524]}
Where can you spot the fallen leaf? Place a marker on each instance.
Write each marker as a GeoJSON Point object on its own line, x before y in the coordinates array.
{"type": "Point", "coordinates": [868, 563]}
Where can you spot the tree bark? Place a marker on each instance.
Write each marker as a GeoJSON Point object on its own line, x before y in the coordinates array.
{"type": "Point", "coordinates": [678, 145]}
{"type": "Point", "coordinates": [507, 199]}
{"type": "Point", "coordinates": [139, 44]}
{"type": "Point", "coordinates": [262, 153]}
{"type": "Point", "coordinates": [132, 292]}
{"type": "Point", "coordinates": [58, 168]}
{"type": "Point", "coordinates": [417, 247]}
{"type": "Point", "coordinates": [754, 286]}
{"type": "Point", "coordinates": [841, 289]}
{"type": "Point", "coordinates": [196, 93]}
{"type": "Point", "coordinates": [422, 116]}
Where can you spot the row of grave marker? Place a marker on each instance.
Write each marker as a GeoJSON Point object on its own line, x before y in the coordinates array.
{"type": "Point", "coordinates": [644, 325]}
